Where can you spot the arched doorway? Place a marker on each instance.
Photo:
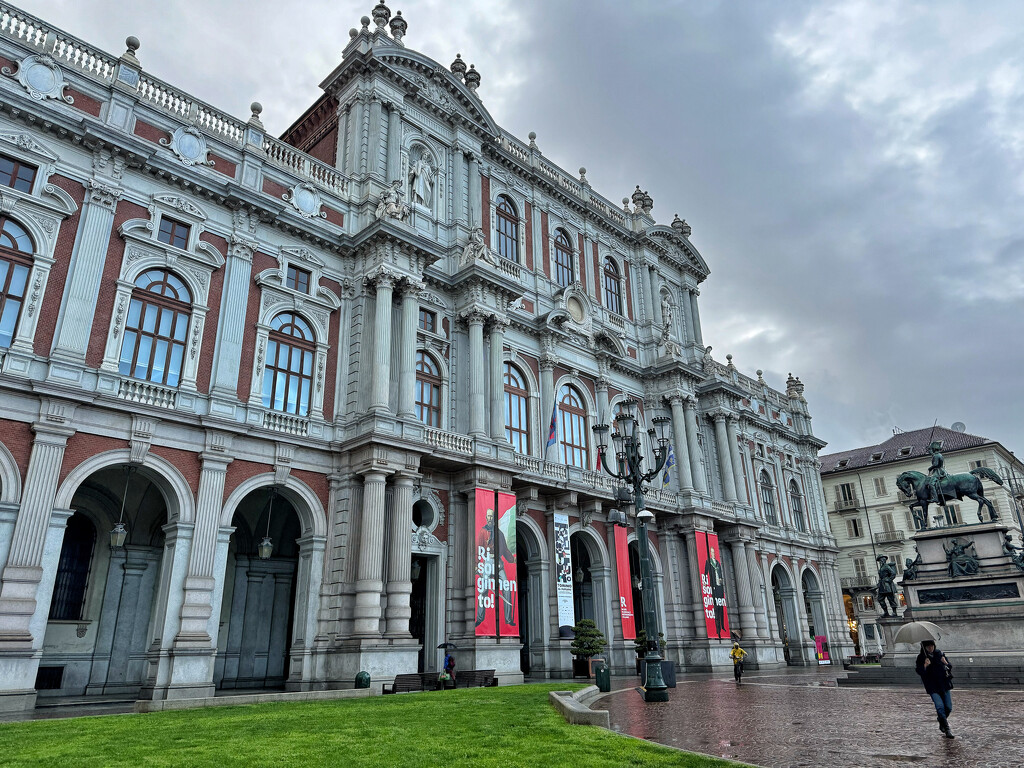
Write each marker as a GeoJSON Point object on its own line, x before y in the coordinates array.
{"type": "Point", "coordinates": [258, 607]}
{"type": "Point", "coordinates": [788, 625]}
{"type": "Point", "coordinates": [814, 605]}
{"type": "Point", "coordinates": [582, 579]}
{"type": "Point", "coordinates": [532, 608]}
{"type": "Point", "coordinates": [100, 622]}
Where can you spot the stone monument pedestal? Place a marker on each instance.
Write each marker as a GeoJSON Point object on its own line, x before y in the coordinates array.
{"type": "Point", "coordinates": [980, 615]}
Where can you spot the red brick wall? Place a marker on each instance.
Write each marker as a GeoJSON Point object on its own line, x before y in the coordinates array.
{"type": "Point", "coordinates": [209, 342]}
{"type": "Point", "coordinates": [83, 446]}
{"type": "Point", "coordinates": [223, 166]}
{"type": "Point", "coordinates": [85, 103]}
{"type": "Point", "coordinates": [50, 306]}
{"type": "Point", "coordinates": [334, 217]}
{"type": "Point", "coordinates": [318, 482]}
{"type": "Point", "coordinates": [485, 207]}
{"type": "Point", "coordinates": [17, 437]}
{"type": "Point", "coordinates": [326, 149]}
{"type": "Point", "coordinates": [108, 286]}
{"type": "Point", "coordinates": [150, 132]}
{"type": "Point", "coordinates": [260, 262]}
{"type": "Point", "coordinates": [273, 188]}
{"type": "Point", "coordinates": [629, 289]}
{"type": "Point", "coordinates": [239, 471]}
{"type": "Point", "coordinates": [186, 462]}
{"type": "Point", "coordinates": [528, 229]}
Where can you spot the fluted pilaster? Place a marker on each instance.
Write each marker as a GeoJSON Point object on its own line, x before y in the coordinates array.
{"type": "Point", "coordinates": [399, 558]}
{"type": "Point", "coordinates": [380, 375]}
{"type": "Point", "coordinates": [369, 578]}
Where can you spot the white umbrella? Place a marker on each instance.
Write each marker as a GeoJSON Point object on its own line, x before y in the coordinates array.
{"type": "Point", "coordinates": [917, 632]}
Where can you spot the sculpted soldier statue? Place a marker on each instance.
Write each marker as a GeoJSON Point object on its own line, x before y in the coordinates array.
{"type": "Point", "coordinates": [886, 588]}
{"type": "Point", "coordinates": [910, 572]}
{"type": "Point", "coordinates": [1016, 553]}
{"type": "Point", "coordinates": [936, 473]}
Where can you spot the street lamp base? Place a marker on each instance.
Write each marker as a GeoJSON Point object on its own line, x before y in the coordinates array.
{"type": "Point", "coordinates": [654, 684]}
{"type": "Point", "coordinates": [658, 694]}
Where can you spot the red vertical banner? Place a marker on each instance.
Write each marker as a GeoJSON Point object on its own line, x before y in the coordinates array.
{"type": "Point", "coordinates": [483, 532]}
{"type": "Point", "coordinates": [712, 585]}
{"type": "Point", "coordinates": [507, 585]}
{"type": "Point", "coordinates": [625, 586]}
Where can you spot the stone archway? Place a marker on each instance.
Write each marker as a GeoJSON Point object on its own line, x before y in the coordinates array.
{"type": "Point", "coordinates": [530, 567]}
{"type": "Point", "coordinates": [787, 630]}
{"type": "Point", "coordinates": [106, 606]}
{"type": "Point", "coordinates": [814, 606]}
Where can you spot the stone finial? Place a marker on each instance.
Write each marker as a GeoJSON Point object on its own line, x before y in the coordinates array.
{"type": "Point", "coordinates": [257, 109]}
{"type": "Point", "coordinates": [638, 198]}
{"type": "Point", "coordinates": [680, 226]}
{"type": "Point", "coordinates": [458, 66]}
{"type": "Point", "coordinates": [760, 378]}
{"type": "Point", "coordinates": [399, 26]}
{"type": "Point", "coordinates": [729, 361]}
{"type": "Point", "coordinates": [583, 175]}
{"type": "Point", "coordinates": [625, 205]}
{"type": "Point", "coordinates": [365, 22]}
{"type": "Point", "coordinates": [648, 203]}
{"type": "Point", "coordinates": [533, 139]}
{"type": "Point", "coordinates": [381, 13]}
{"type": "Point", "coordinates": [472, 78]}
{"type": "Point", "coordinates": [132, 45]}
{"type": "Point", "coordinates": [794, 387]}
{"type": "Point", "coordinates": [353, 33]}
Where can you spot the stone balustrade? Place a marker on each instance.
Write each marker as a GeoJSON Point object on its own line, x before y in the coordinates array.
{"type": "Point", "coordinates": [136, 391]}
{"type": "Point", "coordinates": [449, 441]}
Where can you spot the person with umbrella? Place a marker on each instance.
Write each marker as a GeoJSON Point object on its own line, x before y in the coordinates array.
{"type": "Point", "coordinates": [448, 668]}
{"type": "Point", "coordinates": [934, 668]}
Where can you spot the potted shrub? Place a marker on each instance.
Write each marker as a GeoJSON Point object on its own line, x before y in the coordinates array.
{"type": "Point", "coordinates": [589, 642]}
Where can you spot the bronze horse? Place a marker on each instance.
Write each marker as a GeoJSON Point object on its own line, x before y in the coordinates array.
{"type": "Point", "coordinates": [952, 487]}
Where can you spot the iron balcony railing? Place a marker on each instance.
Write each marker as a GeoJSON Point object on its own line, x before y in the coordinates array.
{"type": "Point", "coordinates": [890, 537]}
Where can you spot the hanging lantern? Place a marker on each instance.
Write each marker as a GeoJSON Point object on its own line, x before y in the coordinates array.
{"type": "Point", "coordinates": [414, 572]}
{"type": "Point", "coordinates": [118, 534]}
{"type": "Point", "coordinates": [266, 547]}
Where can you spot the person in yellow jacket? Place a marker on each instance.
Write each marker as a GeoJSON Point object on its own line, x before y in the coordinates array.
{"type": "Point", "coordinates": [737, 655]}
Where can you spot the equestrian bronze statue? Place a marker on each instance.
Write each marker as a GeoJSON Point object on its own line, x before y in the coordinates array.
{"type": "Point", "coordinates": [931, 490]}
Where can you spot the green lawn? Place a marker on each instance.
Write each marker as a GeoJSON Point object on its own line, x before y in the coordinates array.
{"type": "Point", "coordinates": [500, 727]}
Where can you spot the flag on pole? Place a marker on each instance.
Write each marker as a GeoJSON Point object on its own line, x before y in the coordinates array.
{"type": "Point", "coordinates": [666, 475]}
{"type": "Point", "coordinates": [553, 429]}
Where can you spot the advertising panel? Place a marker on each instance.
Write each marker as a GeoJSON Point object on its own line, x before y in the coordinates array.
{"type": "Point", "coordinates": [712, 585]}
{"type": "Point", "coordinates": [821, 649]}
{"type": "Point", "coordinates": [508, 587]}
{"type": "Point", "coordinates": [484, 530]}
{"type": "Point", "coordinates": [625, 586]}
{"type": "Point", "coordinates": [563, 576]}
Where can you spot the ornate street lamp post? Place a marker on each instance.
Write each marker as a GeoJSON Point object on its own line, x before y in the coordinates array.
{"type": "Point", "coordinates": [630, 470]}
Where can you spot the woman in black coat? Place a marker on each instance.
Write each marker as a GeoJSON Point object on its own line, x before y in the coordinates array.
{"type": "Point", "coordinates": [936, 673]}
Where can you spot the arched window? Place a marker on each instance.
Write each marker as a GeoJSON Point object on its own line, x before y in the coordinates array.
{"type": "Point", "coordinates": [72, 579]}
{"type": "Point", "coordinates": [153, 347]}
{"type": "Point", "coordinates": [15, 264]}
{"type": "Point", "coordinates": [797, 505]}
{"type": "Point", "coordinates": [288, 374]}
{"type": "Point", "coordinates": [573, 416]}
{"type": "Point", "coordinates": [565, 274]}
{"type": "Point", "coordinates": [612, 286]}
{"type": "Point", "coordinates": [768, 498]}
{"type": "Point", "coordinates": [508, 229]}
{"type": "Point", "coordinates": [428, 390]}
{"type": "Point", "coordinates": [517, 424]}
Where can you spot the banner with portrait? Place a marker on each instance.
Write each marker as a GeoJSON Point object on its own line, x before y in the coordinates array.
{"type": "Point", "coordinates": [821, 649]}
{"type": "Point", "coordinates": [563, 576]}
{"type": "Point", "coordinates": [625, 584]}
{"type": "Point", "coordinates": [507, 585]}
{"type": "Point", "coordinates": [484, 529]}
{"type": "Point", "coordinates": [712, 585]}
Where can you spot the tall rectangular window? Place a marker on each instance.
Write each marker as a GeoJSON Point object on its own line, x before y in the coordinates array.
{"type": "Point", "coordinates": [853, 528]}
{"type": "Point", "coordinates": [887, 522]}
{"type": "Point", "coordinates": [173, 233]}
{"type": "Point", "coordinates": [297, 279]}
{"type": "Point", "coordinates": [859, 568]}
{"type": "Point", "coordinates": [879, 486]}
{"type": "Point", "coordinates": [16, 174]}
{"type": "Point", "coordinates": [845, 492]}
{"type": "Point", "coordinates": [428, 321]}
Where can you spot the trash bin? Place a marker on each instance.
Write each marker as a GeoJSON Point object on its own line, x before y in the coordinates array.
{"type": "Point", "coordinates": [363, 680]}
{"type": "Point", "coordinates": [603, 675]}
{"type": "Point", "coordinates": [668, 672]}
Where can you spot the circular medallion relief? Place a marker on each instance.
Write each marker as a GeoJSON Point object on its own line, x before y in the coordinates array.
{"type": "Point", "coordinates": [306, 200]}
{"type": "Point", "coordinates": [190, 146]}
{"type": "Point", "coordinates": [41, 77]}
{"type": "Point", "coordinates": [575, 307]}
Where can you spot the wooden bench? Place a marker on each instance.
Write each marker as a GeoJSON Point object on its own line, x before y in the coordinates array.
{"type": "Point", "coordinates": [405, 684]}
{"type": "Point", "coordinates": [475, 678]}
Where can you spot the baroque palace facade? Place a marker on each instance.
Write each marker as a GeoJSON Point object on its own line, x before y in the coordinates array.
{"type": "Point", "coordinates": [255, 393]}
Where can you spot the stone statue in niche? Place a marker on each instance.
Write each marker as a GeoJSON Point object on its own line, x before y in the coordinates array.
{"type": "Point", "coordinates": [392, 204]}
{"type": "Point", "coordinates": [666, 312]}
{"type": "Point", "coordinates": [476, 249]}
{"type": "Point", "coordinates": [421, 179]}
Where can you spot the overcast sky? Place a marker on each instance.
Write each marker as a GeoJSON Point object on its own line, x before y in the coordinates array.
{"type": "Point", "coordinates": [853, 171]}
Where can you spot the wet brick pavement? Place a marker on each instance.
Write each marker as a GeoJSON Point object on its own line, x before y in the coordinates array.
{"type": "Point", "coordinates": [781, 719]}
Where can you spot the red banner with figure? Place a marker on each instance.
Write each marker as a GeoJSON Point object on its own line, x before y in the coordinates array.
{"type": "Point", "coordinates": [625, 587]}
{"type": "Point", "coordinates": [507, 585]}
{"type": "Point", "coordinates": [484, 529]}
{"type": "Point", "coordinates": [712, 585]}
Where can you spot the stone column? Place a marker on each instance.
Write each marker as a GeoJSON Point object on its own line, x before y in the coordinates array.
{"type": "Point", "coordinates": [197, 608]}
{"type": "Point", "coordinates": [373, 136]}
{"type": "Point", "coordinates": [380, 374]}
{"type": "Point", "coordinates": [369, 583]}
{"type": "Point", "coordinates": [547, 399]}
{"type": "Point", "coordinates": [724, 456]}
{"type": "Point", "coordinates": [407, 369]}
{"type": "Point", "coordinates": [231, 325]}
{"type": "Point", "coordinates": [645, 289]}
{"type": "Point", "coordinates": [603, 416]}
{"type": "Point", "coordinates": [652, 276]}
{"type": "Point", "coordinates": [394, 152]}
{"type": "Point", "coordinates": [700, 482]}
{"type": "Point", "coordinates": [687, 310]}
{"type": "Point", "coordinates": [744, 592]}
{"type": "Point", "coordinates": [400, 558]}
{"type": "Point", "coordinates": [355, 132]}
{"type": "Point", "coordinates": [732, 432]}
{"type": "Point", "coordinates": [475, 320]}
{"type": "Point", "coordinates": [475, 215]}
{"type": "Point", "coordinates": [24, 593]}
{"type": "Point", "coordinates": [85, 271]}
{"type": "Point", "coordinates": [458, 184]}
{"type": "Point", "coordinates": [684, 473]}
{"type": "Point", "coordinates": [760, 619]}
{"type": "Point", "coordinates": [695, 313]}
{"type": "Point", "coordinates": [498, 325]}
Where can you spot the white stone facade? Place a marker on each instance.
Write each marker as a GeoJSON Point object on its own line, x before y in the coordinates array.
{"type": "Point", "coordinates": [375, 239]}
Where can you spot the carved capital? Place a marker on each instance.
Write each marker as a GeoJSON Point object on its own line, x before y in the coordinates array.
{"type": "Point", "coordinates": [103, 194]}
{"type": "Point", "coordinates": [241, 248]}
{"type": "Point", "coordinates": [547, 362]}
{"type": "Point", "coordinates": [411, 286]}
{"type": "Point", "coordinates": [498, 323]}
{"type": "Point", "coordinates": [473, 316]}
{"type": "Point", "coordinates": [382, 278]}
